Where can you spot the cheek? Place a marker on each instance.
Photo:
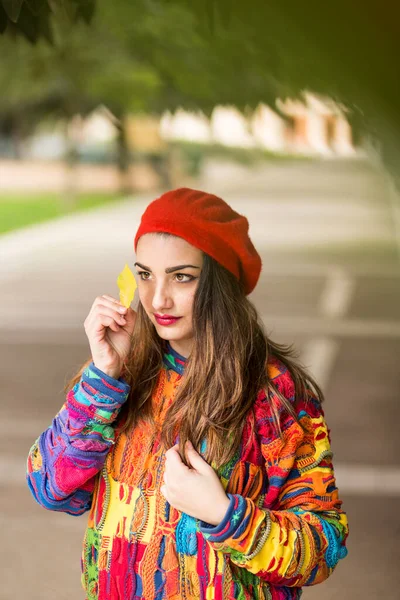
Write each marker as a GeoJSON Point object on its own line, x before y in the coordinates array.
{"type": "Point", "coordinates": [145, 296]}
{"type": "Point", "coordinates": [187, 302]}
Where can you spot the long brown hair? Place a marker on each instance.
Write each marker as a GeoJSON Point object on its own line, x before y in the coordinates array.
{"type": "Point", "coordinates": [223, 374]}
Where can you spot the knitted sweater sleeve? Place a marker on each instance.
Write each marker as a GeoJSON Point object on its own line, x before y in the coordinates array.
{"type": "Point", "coordinates": [64, 461]}
{"type": "Point", "coordinates": [298, 535]}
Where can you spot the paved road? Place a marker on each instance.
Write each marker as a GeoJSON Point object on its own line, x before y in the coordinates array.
{"type": "Point", "coordinates": [331, 285]}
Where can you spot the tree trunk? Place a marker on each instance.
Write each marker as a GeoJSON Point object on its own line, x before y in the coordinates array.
{"type": "Point", "coordinates": [16, 143]}
{"type": "Point", "coordinates": [123, 158]}
{"type": "Point", "coordinates": [70, 191]}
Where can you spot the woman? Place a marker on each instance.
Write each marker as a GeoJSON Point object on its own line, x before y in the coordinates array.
{"type": "Point", "coordinates": [198, 445]}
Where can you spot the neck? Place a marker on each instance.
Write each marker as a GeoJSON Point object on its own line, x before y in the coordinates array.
{"type": "Point", "coordinates": [183, 347]}
{"type": "Point", "coordinates": [174, 360]}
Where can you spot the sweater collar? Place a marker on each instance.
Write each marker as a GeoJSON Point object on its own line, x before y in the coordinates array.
{"type": "Point", "coordinates": [173, 360]}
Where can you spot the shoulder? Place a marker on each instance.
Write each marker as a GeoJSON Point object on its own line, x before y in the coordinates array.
{"type": "Point", "coordinates": [281, 378]}
{"type": "Point", "coordinates": [270, 406]}
{"type": "Point", "coordinates": [280, 381]}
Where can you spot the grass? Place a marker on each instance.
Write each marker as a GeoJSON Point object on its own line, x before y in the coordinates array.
{"type": "Point", "coordinates": [18, 211]}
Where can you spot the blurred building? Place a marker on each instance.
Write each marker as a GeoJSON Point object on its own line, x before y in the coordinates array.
{"type": "Point", "coordinates": [314, 127]}
{"type": "Point", "coordinates": [317, 126]}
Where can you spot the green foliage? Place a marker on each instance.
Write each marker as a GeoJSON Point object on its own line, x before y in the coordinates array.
{"type": "Point", "coordinates": [156, 54]}
{"type": "Point", "coordinates": [32, 18]}
{"type": "Point", "coordinates": [142, 55]}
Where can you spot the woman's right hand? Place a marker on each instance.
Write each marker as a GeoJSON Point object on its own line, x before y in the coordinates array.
{"type": "Point", "coordinates": [109, 326]}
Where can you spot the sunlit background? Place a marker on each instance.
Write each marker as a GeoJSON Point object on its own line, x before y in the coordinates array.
{"type": "Point", "coordinates": [103, 106]}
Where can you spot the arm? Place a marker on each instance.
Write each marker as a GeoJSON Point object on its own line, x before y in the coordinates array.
{"type": "Point", "coordinates": [300, 537]}
{"type": "Point", "coordinates": [64, 461]}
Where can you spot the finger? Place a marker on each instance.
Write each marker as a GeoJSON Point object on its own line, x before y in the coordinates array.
{"type": "Point", "coordinates": [106, 321]}
{"type": "Point", "coordinates": [173, 453]}
{"type": "Point", "coordinates": [113, 300]}
{"type": "Point", "coordinates": [115, 314]}
{"type": "Point", "coordinates": [194, 457]}
{"type": "Point", "coordinates": [173, 459]}
{"type": "Point", "coordinates": [112, 303]}
{"type": "Point", "coordinates": [130, 315]}
{"type": "Point", "coordinates": [106, 311]}
{"type": "Point", "coordinates": [98, 324]}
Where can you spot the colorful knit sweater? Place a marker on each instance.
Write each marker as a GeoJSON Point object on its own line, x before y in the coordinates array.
{"type": "Point", "coordinates": [284, 527]}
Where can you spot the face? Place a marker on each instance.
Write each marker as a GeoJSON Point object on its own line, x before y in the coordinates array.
{"type": "Point", "coordinates": [168, 271]}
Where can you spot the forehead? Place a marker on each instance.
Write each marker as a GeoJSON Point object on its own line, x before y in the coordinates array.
{"type": "Point", "coordinates": [157, 250]}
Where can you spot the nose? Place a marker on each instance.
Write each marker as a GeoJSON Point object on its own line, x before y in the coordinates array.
{"type": "Point", "coordinates": [162, 299]}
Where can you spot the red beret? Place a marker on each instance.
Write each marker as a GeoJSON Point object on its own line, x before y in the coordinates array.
{"type": "Point", "coordinates": [208, 223]}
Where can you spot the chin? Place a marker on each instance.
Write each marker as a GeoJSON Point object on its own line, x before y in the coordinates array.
{"type": "Point", "coordinates": [166, 335]}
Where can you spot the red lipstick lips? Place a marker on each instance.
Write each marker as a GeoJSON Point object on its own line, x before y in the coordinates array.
{"type": "Point", "coordinates": [166, 319]}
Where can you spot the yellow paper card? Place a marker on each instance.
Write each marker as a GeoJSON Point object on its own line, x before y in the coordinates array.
{"type": "Point", "coordinates": [127, 286]}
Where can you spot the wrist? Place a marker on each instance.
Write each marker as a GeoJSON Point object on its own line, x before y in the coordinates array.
{"type": "Point", "coordinates": [111, 372]}
{"type": "Point", "coordinates": [221, 511]}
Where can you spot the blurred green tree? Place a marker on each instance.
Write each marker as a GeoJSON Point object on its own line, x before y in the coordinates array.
{"type": "Point", "coordinates": [32, 18]}
{"type": "Point", "coordinates": [135, 57]}
{"type": "Point", "coordinates": [232, 52]}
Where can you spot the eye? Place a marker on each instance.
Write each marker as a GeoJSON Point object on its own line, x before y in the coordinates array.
{"type": "Point", "coordinates": [142, 275]}
{"type": "Point", "coordinates": [179, 277]}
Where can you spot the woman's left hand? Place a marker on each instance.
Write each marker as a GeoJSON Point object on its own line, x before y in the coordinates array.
{"type": "Point", "coordinates": [196, 491]}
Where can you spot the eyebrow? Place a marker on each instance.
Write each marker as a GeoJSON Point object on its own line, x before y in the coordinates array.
{"type": "Point", "coordinates": [170, 269]}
